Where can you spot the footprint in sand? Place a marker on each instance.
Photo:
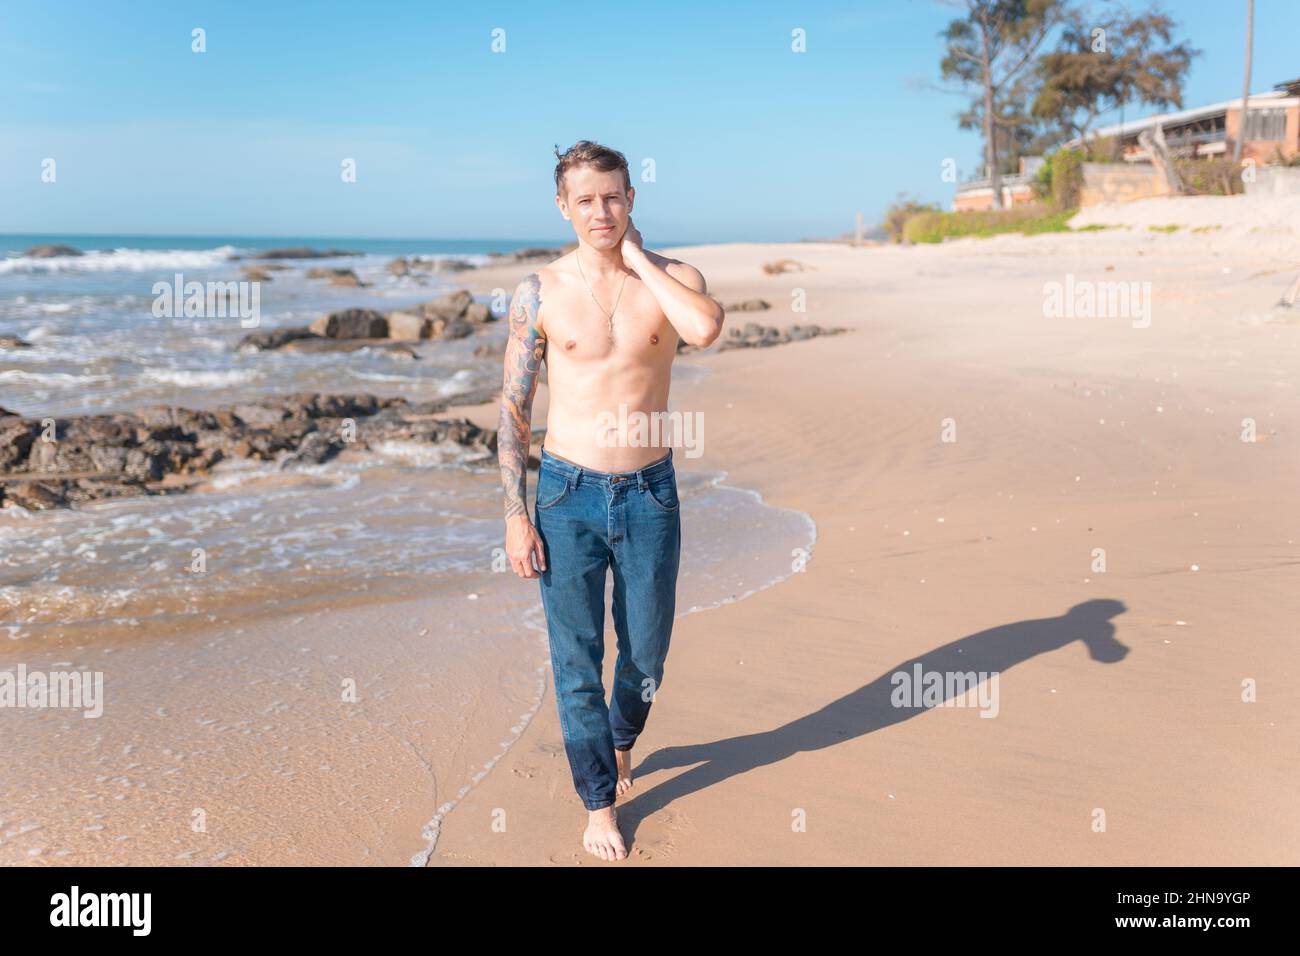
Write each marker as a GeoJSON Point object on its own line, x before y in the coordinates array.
{"type": "Point", "coordinates": [652, 847]}
{"type": "Point", "coordinates": [672, 819]}
{"type": "Point", "coordinates": [655, 836]}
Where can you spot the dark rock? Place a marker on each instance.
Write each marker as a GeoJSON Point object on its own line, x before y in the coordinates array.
{"type": "Point", "coordinates": [753, 335]}
{"type": "Point", "coordinates": [456, 329]}
{"type": "Point", "coordinates": [16, 437]}
{"type": "Point", "coordinates": [303, 252]}
{"type": "Point", "coordinates": [51, 251]}
{"type": "Point", "coordinates": [352, 324]}
{"type": "Point", "coordinates": [260, 416]}
{"type": "Point", "coordinates": [449, 265]}
{"type": "Point", "coordinates": [409, 326]}
{"type": "Point", "coordinates": [81, 490]}
{"type": "Point", "coordinates": [478, 312]}
{"type": "Point", "coordinates": [274, 338]}
{"type": "Point", "coordinates": [340, 277]}
{"type": "Point", "coordinates": [35, 495]}
{"type": "Point", "coordinates": [443, 264]}
{"type": "Point", "coordinates": [530, 254]}
{"type": "Point", "coordinates": [317, 343]}
{"type": "Point", "coordinates": [450, 306]}
{"type": "Point", "coordinates": [450, 316]}
{"type": "Point", "coordinates": [316, 448]}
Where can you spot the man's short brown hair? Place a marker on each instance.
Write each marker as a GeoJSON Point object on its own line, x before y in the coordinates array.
{"type": "Point", "coordinates": [586, 153]}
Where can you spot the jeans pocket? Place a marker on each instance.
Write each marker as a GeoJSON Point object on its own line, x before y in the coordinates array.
{"type": "Point", "coordinates": [551, 489]}
{"type": "Point", "coordinates": [663, 492]}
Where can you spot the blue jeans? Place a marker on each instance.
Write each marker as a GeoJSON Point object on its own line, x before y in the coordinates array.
{"type": "Point", "coordinates": [591, 521]}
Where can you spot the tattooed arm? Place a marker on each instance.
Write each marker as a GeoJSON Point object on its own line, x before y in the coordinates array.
{"type": "Point", "coordinates": [525, 350]}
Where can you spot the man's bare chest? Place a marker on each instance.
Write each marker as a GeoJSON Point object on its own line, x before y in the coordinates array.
{"type": "Point", "coordinates": [579, 330]}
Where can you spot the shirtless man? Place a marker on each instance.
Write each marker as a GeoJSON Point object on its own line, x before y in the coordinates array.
{"type": "Point", "coordinates": [606, 319]}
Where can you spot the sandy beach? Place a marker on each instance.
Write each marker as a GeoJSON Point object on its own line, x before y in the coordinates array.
{"type": "Point", "coordinates": [1055, 501]}
{"type": "Point", "coordinates": [1124, 731]}
{"type": "Point", "coordinates": [978, 546]}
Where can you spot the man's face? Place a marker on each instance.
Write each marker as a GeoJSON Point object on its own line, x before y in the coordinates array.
{"type": "Point", "coordinates": [596, 205]}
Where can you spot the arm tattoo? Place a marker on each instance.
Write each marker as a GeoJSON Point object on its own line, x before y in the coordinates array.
{"type": "Point", "coordinates": [525, 350]}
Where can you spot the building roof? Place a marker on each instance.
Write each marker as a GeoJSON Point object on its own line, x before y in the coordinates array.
{"type": "Point", "coordinates": [1271, 98]}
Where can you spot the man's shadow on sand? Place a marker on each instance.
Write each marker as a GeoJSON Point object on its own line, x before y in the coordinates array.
{"type": "Point", "coordinates": [868, 708]}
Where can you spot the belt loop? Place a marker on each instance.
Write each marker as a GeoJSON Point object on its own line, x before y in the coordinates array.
{"type": "Point", "coordinates": [640, 480]}
{"type": "Point", "coordinates": [577, 476]}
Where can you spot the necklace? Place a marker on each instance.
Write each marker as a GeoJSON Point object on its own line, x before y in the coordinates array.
{"type": "Point", "coordinates": [608, 315]}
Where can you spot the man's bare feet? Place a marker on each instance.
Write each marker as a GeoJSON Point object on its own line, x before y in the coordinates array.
{"type": "Point", "coordinates": [623, 758]}
{"type": "Point", "coordinates": [602, 838]}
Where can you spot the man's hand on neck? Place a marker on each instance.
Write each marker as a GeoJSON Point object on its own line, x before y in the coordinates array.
{"type": "Point", "coordinates": [608, 263]}
{"type": "Point", "coordinates": [630, 248]}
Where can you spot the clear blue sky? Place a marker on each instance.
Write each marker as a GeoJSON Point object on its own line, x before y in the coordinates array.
{"type": "Point", "coordinates": [751, 141]}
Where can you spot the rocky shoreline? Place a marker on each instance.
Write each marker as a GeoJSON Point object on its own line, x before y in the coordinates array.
{"type": "Point", "coordinates": [755, 335]}
{"type": "Point", "coordinates": [163, 449]}
{"type": "Point", "coordinates": [451, 316]}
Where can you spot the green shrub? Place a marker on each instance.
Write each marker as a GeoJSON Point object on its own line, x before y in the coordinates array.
{"type": "Point", "coordinates": [1042, 184]}
{"type": "Point", "coordinates": [1066, 177]}
{"type": "Point", "coordinates": [1210, 177]}
{"type": "Point", "coordinates": [904, 208]}
{"type": "Point", "coordinates": [1028, 219]}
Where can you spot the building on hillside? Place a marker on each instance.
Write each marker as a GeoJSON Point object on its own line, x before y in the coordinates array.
{"type": "Point", "coordinates": [1272, 127]}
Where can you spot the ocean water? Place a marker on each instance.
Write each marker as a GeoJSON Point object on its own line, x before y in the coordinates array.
{"type": "Point", "coordinates": [98, 346]}
{"type": "Point", "coordinates": [163, 594]}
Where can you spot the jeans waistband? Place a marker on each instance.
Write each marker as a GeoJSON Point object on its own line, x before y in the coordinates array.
{"type": "Point", "coordinates": [576, 472]}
